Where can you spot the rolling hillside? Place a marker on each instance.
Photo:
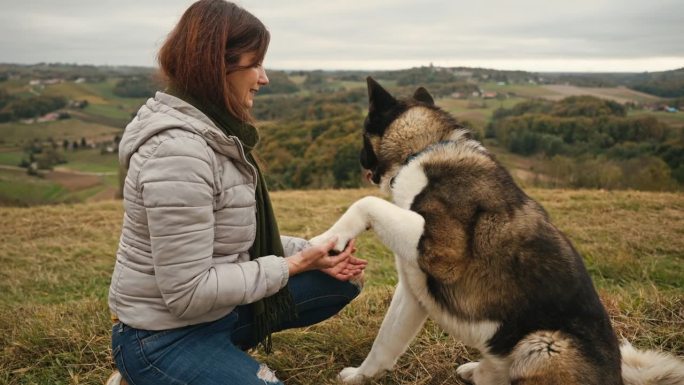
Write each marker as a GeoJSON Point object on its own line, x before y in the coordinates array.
{"type": "Point", "coordinates": [310, 123]}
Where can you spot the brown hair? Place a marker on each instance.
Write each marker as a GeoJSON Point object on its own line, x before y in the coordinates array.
{"type": "Point", "coordinates": [206, 45]}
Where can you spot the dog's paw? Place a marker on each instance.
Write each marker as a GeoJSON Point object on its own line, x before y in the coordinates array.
{"type": "Point", "coordinates": [351, 376]}
{"type": "Point", "coordinates": [319, 239]}
{"type": "Point", "coordinates": [467, 371]}
{"type": "Point", "coordinates": [326, 237]}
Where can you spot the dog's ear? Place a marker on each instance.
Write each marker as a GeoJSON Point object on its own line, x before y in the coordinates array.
{"type": "Point", "coordinates": [422, 95]}
{"type": "Point", "coordinates": [378, 99]}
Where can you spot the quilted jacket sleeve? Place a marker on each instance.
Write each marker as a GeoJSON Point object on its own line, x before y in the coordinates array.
{"type": "Point", "coordinates": [177, 192]}
{"type": "Point", "coordinates": [293, 245]}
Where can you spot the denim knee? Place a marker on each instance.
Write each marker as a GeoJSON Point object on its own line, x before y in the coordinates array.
{"type": "Point", "coordinates": [352, 289]}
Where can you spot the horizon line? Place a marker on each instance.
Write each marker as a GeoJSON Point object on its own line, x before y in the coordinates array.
{"type": "Point", "coordinates": [314, 69]}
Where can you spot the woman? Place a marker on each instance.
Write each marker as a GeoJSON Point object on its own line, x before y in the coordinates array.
{"type": "Point", "coordinates": [202, 273]}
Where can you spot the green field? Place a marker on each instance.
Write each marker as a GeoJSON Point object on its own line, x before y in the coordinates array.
{"type": "Point", "coordinates": [91, 160]}
{"type": "Point", "coordinates": [476, 111]}
{"type": "Point", "coordinates": [57, 263]}
{"type": "Point", "coordinates": [75, 91]}
{"type": "Point", "coordinates": [351, 85]}
{"type": "Point", "coordinates": [15, 86]}
{"type": "Point", "coordinates": [672, 118]}
{"type": "Point", "coordinates": [117, 112]}
{"type": "Point", "coordinates": [15, 134]}
{"type": "Point", "coordinates": [102, 103]}
{"type": "Point", "coordinates": [11, 157]}
{"type": "Point", "coordinates": [96, 173]}
{"type": "Point", "coordinates": [101, 121]}
{"type": "Point", "coordinates": [88, 160]}
{"type": "Point", "coordinates": [19, 189]}
{"type": "Point", "coordinates": [94, 93]}
{"type": "Point", "coordinates": [529, 91]}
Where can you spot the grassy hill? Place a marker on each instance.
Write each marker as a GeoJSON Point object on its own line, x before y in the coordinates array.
{"type": "Point", "coordinates": [89, 172]}
{"type": "Point", "coordinates": [57, 262]}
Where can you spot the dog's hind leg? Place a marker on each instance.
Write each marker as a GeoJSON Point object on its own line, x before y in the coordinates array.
{"type": "Point", "coordinates": [399, 229]}
{"type": "Point", "coordinates": [402, 322]}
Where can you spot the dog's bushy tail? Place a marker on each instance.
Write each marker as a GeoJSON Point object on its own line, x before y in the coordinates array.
{"type": "Point", "coordinates": [650, 367]}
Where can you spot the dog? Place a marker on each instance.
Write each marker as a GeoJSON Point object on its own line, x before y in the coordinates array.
{"type": "Point", "coordinates": [479, 257]}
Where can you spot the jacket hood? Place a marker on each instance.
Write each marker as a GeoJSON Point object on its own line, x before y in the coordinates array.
{"type": "Point", "coordinates": [164, 112]}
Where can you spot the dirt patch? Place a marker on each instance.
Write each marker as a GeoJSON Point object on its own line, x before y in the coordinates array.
{"type": "Point", "coordinates": [73, 181]}
{"type": "Point", "coordinates": [618, 94]}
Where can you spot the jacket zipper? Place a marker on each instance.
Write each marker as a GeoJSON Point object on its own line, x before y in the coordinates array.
{"type": "Point", "coordinates": [254, 174]}
{"type": "Point", "coordinates": [244, 159]}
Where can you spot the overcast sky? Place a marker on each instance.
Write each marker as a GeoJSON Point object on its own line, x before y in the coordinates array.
{"type": "Point", "coordinates": [533, 35]}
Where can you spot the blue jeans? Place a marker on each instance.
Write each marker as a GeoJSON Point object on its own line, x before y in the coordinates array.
{"type": "Point", "coordinates": [212, 353]}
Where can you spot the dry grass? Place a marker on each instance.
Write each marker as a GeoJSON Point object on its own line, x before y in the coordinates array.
{"type": "Point", "coordinates": [56, 263]}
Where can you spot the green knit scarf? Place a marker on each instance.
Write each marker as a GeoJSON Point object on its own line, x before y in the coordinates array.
{"type": "Point", "coordinates": [271, 311]}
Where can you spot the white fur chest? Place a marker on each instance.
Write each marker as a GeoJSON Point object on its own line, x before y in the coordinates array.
{"type": "Point", "coordinates": [408, 183]}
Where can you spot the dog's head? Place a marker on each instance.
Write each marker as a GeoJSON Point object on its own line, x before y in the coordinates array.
{"type": "Point", "coordinates": [395, 129]}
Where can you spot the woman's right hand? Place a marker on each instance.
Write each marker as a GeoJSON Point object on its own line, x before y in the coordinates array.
{"type": "Point", "coordinates": [317, 258]}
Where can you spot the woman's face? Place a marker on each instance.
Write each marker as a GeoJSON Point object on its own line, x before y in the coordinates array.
{"type": "Point", "coordinates": [245, 83]}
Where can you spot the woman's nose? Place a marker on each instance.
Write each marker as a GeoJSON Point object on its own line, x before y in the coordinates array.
{"type": "Point", "coordinates": [263, 79]}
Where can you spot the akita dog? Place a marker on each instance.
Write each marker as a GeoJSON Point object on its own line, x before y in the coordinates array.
{"type": "Point", "coordinates": [480, 257]}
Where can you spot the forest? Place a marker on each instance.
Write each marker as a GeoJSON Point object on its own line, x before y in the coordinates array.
{"type": "Point", "coordinates": [610, 149]}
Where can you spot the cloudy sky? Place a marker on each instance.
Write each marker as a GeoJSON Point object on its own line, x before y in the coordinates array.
{"type": "Point", "coordinates": [533, 35]}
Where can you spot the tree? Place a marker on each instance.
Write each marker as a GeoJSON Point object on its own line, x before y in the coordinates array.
{"type": "Point", "coordinates": [346, 168]}
{"type": "Point", "coordinates": [279, 83]}
{"type": "Point", "coordinates": [34, 106]}
{"type": "Point", "coordinates": [648, 173]}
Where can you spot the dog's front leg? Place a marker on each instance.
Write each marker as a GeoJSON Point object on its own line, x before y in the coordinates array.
{"type": "Point", "coordinates": [402, 322]}
{"type": "Point", "coordinates": [399, 229]}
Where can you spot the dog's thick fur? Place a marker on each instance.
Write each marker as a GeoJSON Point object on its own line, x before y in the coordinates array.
{"type": "Point", "coordinates": [478, 256]}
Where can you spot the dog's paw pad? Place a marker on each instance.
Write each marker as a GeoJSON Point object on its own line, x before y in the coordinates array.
{"type": "Point", "coordinates": [467, 371]}
{"type": "Point", "coordinates": [351, 376]}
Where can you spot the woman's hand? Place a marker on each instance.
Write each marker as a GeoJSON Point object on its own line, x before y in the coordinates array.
{"type": "Point", "coordinates": [349, 268]}
{"type": "Point", "coordinates": [342, 266]}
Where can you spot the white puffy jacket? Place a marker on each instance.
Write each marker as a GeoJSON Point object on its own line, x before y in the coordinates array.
{"type": "Point", "coordinates": [188, 224]}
